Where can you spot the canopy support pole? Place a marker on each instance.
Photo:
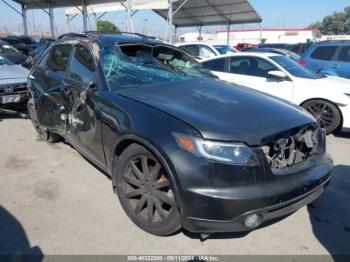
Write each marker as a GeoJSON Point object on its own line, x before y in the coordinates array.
{"type": "Point", "coordinates": [129, 22]}
{"type": "Point", "coordinates": [95, 19]}
{"type": "Point", "coordinates": [200, 38]}
{"type": "Point", "coordinates": [261, 32]}
{"type": "Point", "coordinates": [52, 26]}
{"type": "Point", "coordinates": [84, 6]}
{"type": "Point", "coordinates": [228, 33]}
{"type": "Point", "coordinates": [24, 17]}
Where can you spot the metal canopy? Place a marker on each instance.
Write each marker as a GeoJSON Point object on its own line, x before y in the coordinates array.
{"type": "Point", "coordinates": [211, 12]}
{"type": "Point", "coordinates": [38, 4]}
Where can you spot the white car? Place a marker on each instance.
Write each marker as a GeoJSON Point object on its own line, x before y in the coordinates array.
{"type": "Point", "coordinates": [201, 50]}
{"type": "Point", "coordinates": [326, 98]}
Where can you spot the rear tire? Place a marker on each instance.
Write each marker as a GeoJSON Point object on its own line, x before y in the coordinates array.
{"type": "Point", "coordinates": [145, 191]}
{"type": "Point", "coordinates": [43, 133]}
{"type": "Point", "coordinates": [326, 113]}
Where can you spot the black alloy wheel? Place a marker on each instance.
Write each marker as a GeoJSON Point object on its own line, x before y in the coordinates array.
{"type": "Point", "coordinates": [146, 193]}
{"type": "Point", "coordinates": [326, 113]}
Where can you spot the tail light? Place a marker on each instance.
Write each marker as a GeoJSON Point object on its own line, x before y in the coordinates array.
{"type": "Point", "coordinates": [302, 62]}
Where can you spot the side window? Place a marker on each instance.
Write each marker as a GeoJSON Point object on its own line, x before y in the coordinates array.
{"type": "Point", "coordinates": [344, 54]}
{"type": "Point", "coordinates": [216, 64]}
{"type": "Point", "coordinates": [58, 58]}
{"type": "Point", "coordinates": [82, 68]}
{"type": "Point", "coordinates": [190, 49]}
{"type": "Point", "coordinates": [251, 66]}
{"type": "Point", "coordinates": [324, 52]}
{"type": "Point", "coordinates": [206, 52]}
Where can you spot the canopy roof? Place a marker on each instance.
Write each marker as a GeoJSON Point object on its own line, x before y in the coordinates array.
{"type": "Point", "coordinates": [212, 12]}
{"type": "Point", "coordinates": [36, 4]}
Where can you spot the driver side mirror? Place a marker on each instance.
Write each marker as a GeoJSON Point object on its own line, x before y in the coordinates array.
{"type": "Point", "coordinates": [278, 75]}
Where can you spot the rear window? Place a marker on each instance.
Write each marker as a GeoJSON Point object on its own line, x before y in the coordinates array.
{"type": "Point", "coordinates": [216, 64]}
{"type": "Point", "coordinates": [344, 54]}
{"type": "Point", "coordinates": [324, 52]}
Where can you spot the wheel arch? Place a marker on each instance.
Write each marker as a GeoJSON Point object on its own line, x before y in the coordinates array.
{"type": "Point", "coordinates": [329, 101]}
{"type": "Point", "coordinates": [130, 139]}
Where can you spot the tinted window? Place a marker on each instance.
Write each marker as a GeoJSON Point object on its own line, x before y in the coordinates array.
{"type": "Point", "coordinates": [82, 67]}
{"type": "Point", "coordinates": [251, 66]}
{"type": "Point", "coordinates": [344, 54]}
{"type": "Point", "coordinates": [190, 49]}
{"type": "Point", "coordinates": [216, 64]}
{"type": "Point", "coordinates": [58, 58]}
{"type": "Point", "coordinates": [225, 49]}
{"type": "Point", "coordinates": [206, 52]}
{"type": "Point", "coordinates": [324, 52]}
{"type": "Point", "coordinates": [294, 68]}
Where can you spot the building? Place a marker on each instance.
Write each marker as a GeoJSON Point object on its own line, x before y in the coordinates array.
{"type": "Point", "coordinates": [255, 36]}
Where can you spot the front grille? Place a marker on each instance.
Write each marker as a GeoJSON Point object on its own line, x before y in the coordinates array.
{"type": "Point", "coordinates": [294, 147]}
{"type": "Point", "coordinates": [13, 89]}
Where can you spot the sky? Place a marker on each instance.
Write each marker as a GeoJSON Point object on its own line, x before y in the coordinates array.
{"type": "Point", "coordinates": [275, 14]}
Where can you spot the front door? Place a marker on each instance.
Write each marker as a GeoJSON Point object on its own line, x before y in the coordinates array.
{"type": "Point", "coordinates": [84, 123]}
{"type": "Point", "coordinates": [253, 72]}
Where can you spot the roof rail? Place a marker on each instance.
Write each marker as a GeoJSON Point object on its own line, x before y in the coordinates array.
{"type": "Point", "coordinates": [72, 34]}
{"type": "Point", "coordinates": [120, 32]}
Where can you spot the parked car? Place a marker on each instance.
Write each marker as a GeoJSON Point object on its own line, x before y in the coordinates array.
{"type": "Point", "coordinates": [299, 48]}
{"type": "Point", "coordinates": [13, 83]}
{"type": "Point", "coordinates": [328, 58]}
{"type": "Point", "coordinates": [43, 44]}
{"type": "Point", "coordinates": [284, 52]}
{"type": "Point", "coordinates": [202, 50]}
{"type": "Point", "coordinates": [274, 45]}
{"type": "Point", "coordinates": [183, 148]}
{"type": "Point", "coordinates": [240, 46]}
{"type": "Point", "coordinates": [12, 54]}
{"type": "Point", "coordinates": [326, 98]}
{"type": "Point", "coordinates": [24, 44]}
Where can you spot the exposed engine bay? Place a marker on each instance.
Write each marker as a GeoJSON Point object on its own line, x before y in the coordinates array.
{"type": "Point", "coordinates": [293, 148]}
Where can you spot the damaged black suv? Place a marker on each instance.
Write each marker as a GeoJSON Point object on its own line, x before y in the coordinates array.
{"type": "Point", "coordinates": [183, 149]}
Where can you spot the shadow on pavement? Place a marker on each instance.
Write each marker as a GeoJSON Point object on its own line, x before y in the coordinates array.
{"type": "Point", "coordinates": [14, 243]}
{"type": "Point", "coordinates": [330, 215]}
{"type": "Point", "coordinates": [342, 134]}
{"type": "Point", "coordinates": [12, 113]}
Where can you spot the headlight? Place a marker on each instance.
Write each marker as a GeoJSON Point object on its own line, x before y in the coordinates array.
{"type": "Point", "coordinates": [231, 153]}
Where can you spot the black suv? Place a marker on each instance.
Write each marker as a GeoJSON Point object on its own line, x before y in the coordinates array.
{"type": "Point", "coordinates": [183, 149]}
{"type": "Point", "coordinates": [24, 44]}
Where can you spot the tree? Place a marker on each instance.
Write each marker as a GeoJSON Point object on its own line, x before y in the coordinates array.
{"type": "Point", "coordinates": [317, 25]}
{"type": "Point", "coordinates": [334, 24]}
{"type": "Point", "coordinates": [107, 26]}
{"type": "Point", "coordinates": [347, 19]}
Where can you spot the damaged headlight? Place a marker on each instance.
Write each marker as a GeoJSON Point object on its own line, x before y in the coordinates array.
{"type": "Point", "coordinates": [231, 153]}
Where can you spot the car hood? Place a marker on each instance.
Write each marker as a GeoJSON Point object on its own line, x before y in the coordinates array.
{"type": "Point", "coordinates": [221, 111]}
{"type": "Point", "coordinates": [13, 72]}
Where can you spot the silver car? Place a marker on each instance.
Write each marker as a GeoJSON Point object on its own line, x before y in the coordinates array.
{"type": "Point", "coordinates": [13, 83]}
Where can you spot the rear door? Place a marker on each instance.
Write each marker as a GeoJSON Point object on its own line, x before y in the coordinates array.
{"type": "Point", "coordinates": [84, 123]}
{"type": "Point", "coordinates": [322, 59]}
{"type": "Point", "coordinates": [47, 87]}
{"type": "Point", "coordinates": [342, 63]}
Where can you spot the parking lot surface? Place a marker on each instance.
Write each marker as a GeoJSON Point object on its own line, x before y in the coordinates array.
{"type": "Point", "coordinates": [54, 201]}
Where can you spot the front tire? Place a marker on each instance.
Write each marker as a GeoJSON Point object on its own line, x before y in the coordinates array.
{"type": "Point", "coordinates": [43, 133]}
{"type": "Point", "coordinates": [326, 113]}
{"type": "Point", "coordinates": [146, 192]}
